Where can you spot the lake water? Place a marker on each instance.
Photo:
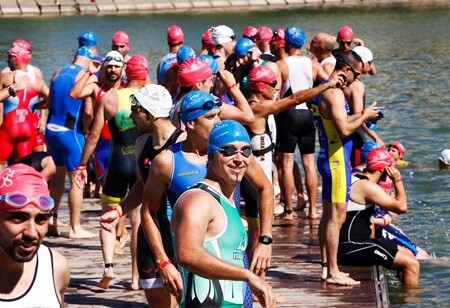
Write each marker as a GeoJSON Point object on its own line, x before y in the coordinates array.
{"type": "Point", "coordinates": [411, 50]}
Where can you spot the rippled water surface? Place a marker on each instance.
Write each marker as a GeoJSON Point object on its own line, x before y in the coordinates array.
{"type": "Point", "coordinates": [411, 50]}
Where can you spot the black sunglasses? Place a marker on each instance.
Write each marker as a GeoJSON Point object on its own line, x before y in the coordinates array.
{"type": "Point", "coordinates": [208, 105]}
{"type": "Point", "coordinates": [109, 58]}
{"type": "Point", "coordinates": [340, 59]}
{"type": "Point", "coordinates": [348, 43]}
{"type": "Point", "coordinates": [231, 151]}
{"type": "Point", "coordinates": [233, 37]}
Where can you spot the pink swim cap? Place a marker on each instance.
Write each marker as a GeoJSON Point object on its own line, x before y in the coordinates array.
{"type": "Point", "coordinates": [19, 54]}
{"type": "Point", "coordinates": [192, 71]}
{"type": "Point", "coordinates": [345, 33]}
{"type": "Point", "coordinates": [264, 34]}
{"type": "Point", "coordinates": [22, 44]}
{"type": "Point", "coordinates": [250, 32]}
{"type": "Point", "coordinates": [397, 145]}
{"type": "Point", "coordinates": [137, 68]}
{"type": "Point", "coordinates": [278, 37]}
{"type": "Point", "coordinates": [120, 38]}
{"type": "Point", "coordinates": [207, 41]}
{"type": "Point", "coordinates": [260, 77]}
{"type": "Point", "coordinates": [175, 35]}
{"type": "Point", "coordinates": [21, 179]}
{"type": "Point", "coordinates": [379, 159]}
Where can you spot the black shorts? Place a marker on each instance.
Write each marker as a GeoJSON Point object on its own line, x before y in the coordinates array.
{"type": "Point", "coordinates": [295, 127]}
{"type": "Point", "coordinates": [367, 253]}
{"type": "Point", "coordinates": [120, 177]}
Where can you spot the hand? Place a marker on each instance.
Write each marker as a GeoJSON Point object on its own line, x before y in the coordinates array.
{"type": "Point", "coordinates": [81, 177]}
{"type": "Point", "coordinates": [261, 259]}
{"type": "Point", "coordinates": [94, 67]}
{"type": "Point", "coordinates": [337, 81]}
{"type": "Point", "coordinates": [171, 280]}
{"type": "Point", "coordinates": [372, 112]}
{"type": "Point", "coordinates": [358, 42]}
{"type": "Point", "coordinates": [227, 78]}
{"type": "Point", "coordinates": [21, 82]}
{"type": "Point", "coordinates": [41, 125]}
{"type": "Point", "coordinates": [262, 290]}
{"type": "Point", "coordinates": [109, 220]}
{"type": "Point", "coordinates": [393, 174]}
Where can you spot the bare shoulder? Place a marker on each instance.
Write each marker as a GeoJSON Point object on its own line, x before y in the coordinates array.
{"type": "Point", "coordinates": [60, 262]}
{"type": "Point", "coordinates": [162, 163]}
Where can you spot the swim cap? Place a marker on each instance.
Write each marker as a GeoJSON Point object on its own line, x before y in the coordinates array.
{"type": "Point", "coordinates": [222, 34]}
{"type": "Point", "coordinates": [22, 44]}
{"type": "Point", "coordinates": [345, 33]}
{"type": "Point", "coordinates": [264, 34]}
{"type": "Point", "coordinates": [207, 41]}
{"type": "Point", "coordinates": [365, 149]}
{"type": "Point", "coordinates": [226, 132]}
{"type": "Point", "coordinates": [193, 105]}
{"type": "Point", "coordinates": [19, 54]}
{"type": "Point", "coordinates": [260, 77]}
{"type": "Point", "coordinates": [20, 178]}
{"type": "Point", "coordinates": [250, 32]}
{"type": "Point", "coordinates": [84, 51]}
{"type": "Point", "coordinates": [397, 145]}
{"type": "Point", "coordinates": [175, 35]}
{"type": "Point", "coordinates": [155, 99]}
{"type": "Point", "coordinates": [295, 37]}
{"type": "Point", "coordinates": [137, 68]}
{"type": "Point", "coordinates": [192, 71]}
{"type": "Point", "coordinates": [211, 62]}
{"type": "Point", "coordinates": [379, 159]}
{"type": "Point", "coordinates": [184, 53]}
{"type": "Point", "coordinates": [114, 58]}
{"type": "Point", "coordinates": [120, 38]}
{"type": "Point", "coordinates": [279, 37]}
{"type": "Point", "coordinates": [364, 53]}
{"type": "Point", "coordinates": [87, 38]}
{"type": "Point", "coordinates": [243, 46]}
{"type": "Point", "coordinates": [445, 156]}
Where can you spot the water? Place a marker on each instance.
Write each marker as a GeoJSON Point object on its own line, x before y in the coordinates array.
{"type": "Point", "coordinates": [411, 50]}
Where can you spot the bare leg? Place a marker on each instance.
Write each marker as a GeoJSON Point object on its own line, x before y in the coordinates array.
{"type": "Point", "coordinates": [408, 266]}
{"type": "Point", "coordinates": [107, 240]}
{"type": "Point", "coordinates": [56, 187]}
{"type": "Point", "coordinates": [160, 298]}
{"type": "Point", "coordinates": [302, 197]}
{"type": "Point", "coordinates": [119, 233]}
{"type": "Point", "coordinates": [287, 189]}
{"type": "Point", "coordinates": [135, 218]}
{"type": "Point", "coordinates": [322, 238]}
{"type": "Point", "coordinates": [311, 183]}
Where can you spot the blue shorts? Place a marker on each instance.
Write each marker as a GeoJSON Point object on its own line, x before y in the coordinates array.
{"type": "Point", "coordinates": [65, 147]}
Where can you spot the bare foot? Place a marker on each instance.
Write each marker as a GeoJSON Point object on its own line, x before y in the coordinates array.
{"type": "Point", "coordinates": [80, 233]}
{"type": "Point", "coordinates": [53, 231]}
{"type": "Point", "coordinates": [108, 275]}
{"type": "Point", "coordinates": [314, 215]}
{"type": "Point", "coordinates": [124, 239]}
{"type": "Point", "coordinates": [324, 275]}
{"type": "Point", "coordinates": [279, 209]}
{"type": "Point", "coordinates": [302, 200]}
{"type": "Point", "coordinates": [286, 216]}
{"type": "Point", "coordinates": [117, 249]}
{"type": "Point", "coordinates": [342, 280]}
{"type": "Point", "coordinates": [134, 286]}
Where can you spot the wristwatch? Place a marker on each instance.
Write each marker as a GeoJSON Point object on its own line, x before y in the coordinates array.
{"type": "Point", "coordinates": [265, 239]}
{"type": "Point", "coordinates": [11, 90]}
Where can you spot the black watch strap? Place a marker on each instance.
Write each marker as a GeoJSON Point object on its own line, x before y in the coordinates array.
{"type": "Point", "coordinates": [265, 239]}
{"type": "Point", "coordinates": [11, 91]}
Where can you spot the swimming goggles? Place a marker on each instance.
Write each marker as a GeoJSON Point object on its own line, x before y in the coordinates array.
{"type": "Point", "coordinates": [208, 105]}
{"type": "Point", "coordinates": [231, 151]}
{"type": "Point", "coordinates": [109, 58]}
{"type": "Point", "coordinates": [19, 200]}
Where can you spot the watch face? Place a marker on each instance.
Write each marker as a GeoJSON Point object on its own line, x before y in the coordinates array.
{"type": "Point", "coordinates": [265, 240]}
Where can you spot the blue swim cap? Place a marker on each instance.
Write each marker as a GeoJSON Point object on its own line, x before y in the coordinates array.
{"type": "Point", "coordinates": [87, 38]}
{"type": "Point", "coordinates": [84, 51]}
{"type": "Point", "coordinates": [295, 37]}
{"type": "Point", "coordinates": [226, 132]}
{"type": "Point", "coordinates": [184, 53]}
{"type": "Point", "coordinates": [243, 46]}
{"type": "Point", "coordinates": [211, 62]}
{"type": "Point", "coordinates": [197, 103]}
{"type": "Point", "coordinates": [365, 149]}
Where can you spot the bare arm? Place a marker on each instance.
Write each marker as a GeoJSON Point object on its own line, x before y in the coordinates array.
{"type": "Point", "coordinates": [61, 272]}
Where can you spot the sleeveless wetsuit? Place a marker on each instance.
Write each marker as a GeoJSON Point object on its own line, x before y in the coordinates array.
{"type": "Point", "coordinates": [169, 60]}
{"type": "Point", "coordinates": [42, 291]}
{"type": "Point", "coordinates": [121, 171]}
{"type": "Point", "coordinates": [229, 245]}
{"type": "Point", "coordinates": [333, 161]}
{"type": "Point", "coordinates": [19, 127]}
{"type": "Point", "coordinates": [355, 246]}
{"type": "Point", "coordinates": [64, 131]}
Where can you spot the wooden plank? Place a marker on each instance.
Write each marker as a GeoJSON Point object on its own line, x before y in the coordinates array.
{"type": "Point", "coordinates": [68, 6]}
{"type": "Point", "coordinates": [48, 6]}
{"type": "Point", "coordinates": [106, 5]}
{"type": "Point", "coordinates": [163, 4]}
{"type": "Point", "coordinates": [220, 3]}
{"type": "Point", "coordinates": [144, 5]}
{"type": "Point", "coordinates": [85, 6]}
{"type": "Point", "coordinates": [235, 3]}
{"type": "Point", "coordinates": [10, 7]}
{"type": "Point", "coordinates": [182, 4]}
{"type": "Point", "coordinates": [202, 3]}
{"type": "Point", "coordinates": [125, 5]}
{"type": "Point", "coordinates": [276, 2]}
{"type": "Point", "coordinates": [28, 6]}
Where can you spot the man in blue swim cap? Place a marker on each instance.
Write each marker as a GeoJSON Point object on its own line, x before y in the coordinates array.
{"type": "Point", "coordinates": [206, 211]}
{"type": "Point", "coordinates": [89, 39]}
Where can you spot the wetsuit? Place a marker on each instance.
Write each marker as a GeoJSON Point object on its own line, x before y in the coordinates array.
{"type": "Point", "coordinates": [355, 246]}
{"type": "Point", "coordinates": [19, 127]}
{"type": "Point", "coordinates": [65, 126]}
{"type": "Point", "coordinates": [169, 60]}
{"type": "Point", "coordinates": [229, 245]}
{"type": "Point", "coordinates": [42, 289]}
{"type": "Point", "coordinates": [333, 161]}
{"type": "Point", "coordinates": [121, 170]}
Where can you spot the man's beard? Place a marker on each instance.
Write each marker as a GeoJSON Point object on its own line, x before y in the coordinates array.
{"type": "Point", "coordinates": [12, 250]}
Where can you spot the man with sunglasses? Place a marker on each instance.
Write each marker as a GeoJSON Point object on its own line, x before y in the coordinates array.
{"type": "Point", "coordinates": [115, 107]}
{"type": "Point", "coordinates": [335, 128]}
{"type": "Point", "coordinates": [209, 237]}
{"type": "Point", "coordinates": [32, 274]}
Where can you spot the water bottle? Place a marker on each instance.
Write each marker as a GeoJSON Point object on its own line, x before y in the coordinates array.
{"type": "Point", "coordinates": [372, 124]}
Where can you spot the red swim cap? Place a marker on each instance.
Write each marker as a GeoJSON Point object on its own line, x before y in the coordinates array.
{"type": "Point", "coordinates": [120, 38]}
{"type": "Point", "coordinates": [260, 77]}
{"type": "Point", "coordinates": [22, 44]}
{"type": "Point", "coordinates": [264, 34]}
{"type": "Point", "coordinates": [137, 68]}
{"type": "Point", "coordinates": [250, 32]}
{"type": "Point", "coordinates": [207, 41]}
{"type": "Point", "coordinates": [278, 37]}
{"type": "Point", "coordinates": [175, 35]}
{"type": "Point", "coordinates": [192, 71]}
{"type": "Point", "coordinates": [19, 54]}
{"type": "Point", "coordinates": [345, 33]}
{"type": "Point", "coordinates": [378, 159]}
{"type": "Point", "coordinates": [21, 179]}
{"type": "Point", "coordinates": [397, 145]}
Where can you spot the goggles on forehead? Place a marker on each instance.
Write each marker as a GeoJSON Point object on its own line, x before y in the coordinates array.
{"type": "Point", "coordinates": [231, 151]}
{"type": "Point", "coordinates": [19, 200]}
{"type": "Point", "coordinates": [109, 58]}
{"type": "Point", "coordinates": [208, 105]}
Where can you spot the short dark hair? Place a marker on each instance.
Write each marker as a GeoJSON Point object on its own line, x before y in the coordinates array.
{"type": "Point", "coordinates": [348, 57]}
